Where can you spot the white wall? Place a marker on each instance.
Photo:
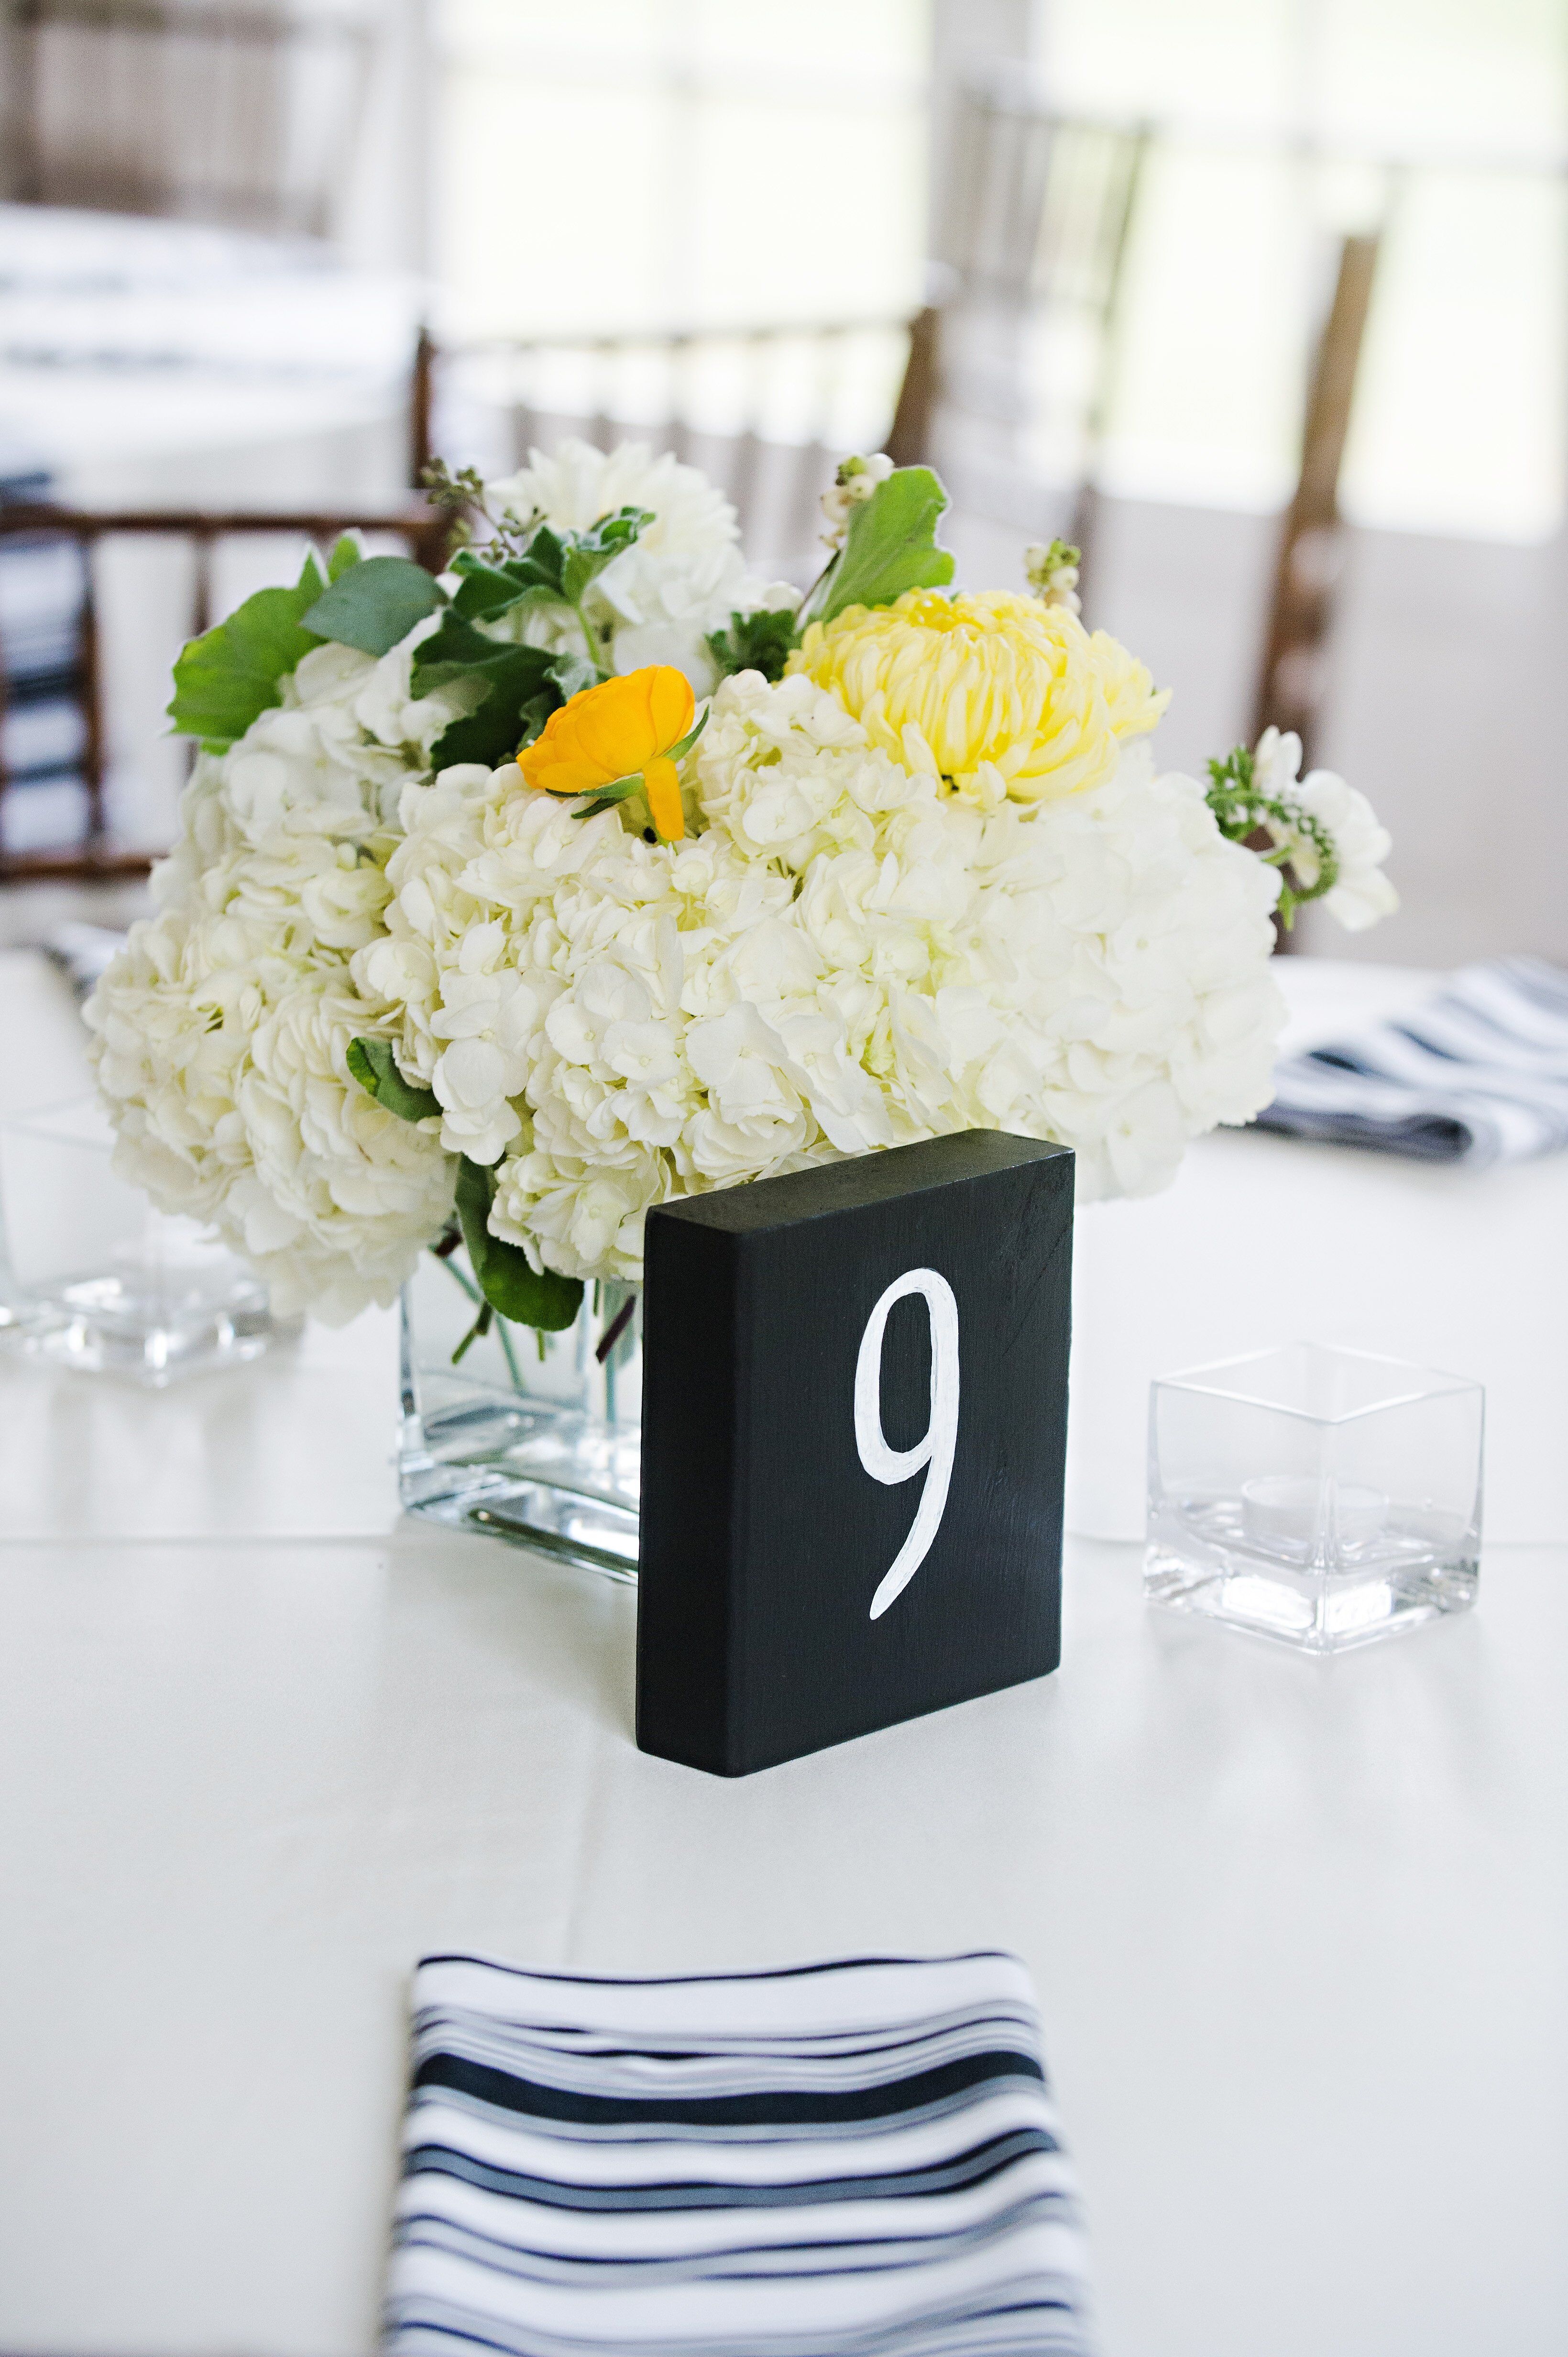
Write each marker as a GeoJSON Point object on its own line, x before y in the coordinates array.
{"type": "Point", "coordinates": [1444, 707]}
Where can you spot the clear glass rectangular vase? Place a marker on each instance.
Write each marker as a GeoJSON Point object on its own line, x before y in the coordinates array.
{"type": "Point", "coordinates": [528, 1437]}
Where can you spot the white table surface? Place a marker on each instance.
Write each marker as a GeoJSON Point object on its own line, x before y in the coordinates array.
{"type": "Point", "coordinates": [1300, 1927]}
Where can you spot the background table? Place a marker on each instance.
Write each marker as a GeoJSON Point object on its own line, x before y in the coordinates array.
{"type": "Point", "coordinates": [1300, 1927]}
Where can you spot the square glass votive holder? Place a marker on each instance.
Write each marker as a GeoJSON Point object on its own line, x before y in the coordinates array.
{"type": "Point", "coordinates": [1320, 1496]}
{"type": "Point", "coordinates": [93, 1277]}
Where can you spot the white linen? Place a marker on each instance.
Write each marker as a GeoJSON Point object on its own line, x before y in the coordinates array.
{"type": "Point", "coordinates": [1299, 1929]}
{"type": "Point", "coordinates": [120, 336]}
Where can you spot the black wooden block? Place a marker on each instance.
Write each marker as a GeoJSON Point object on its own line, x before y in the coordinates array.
{"type": "Point", "coordinates": [824, 1549]}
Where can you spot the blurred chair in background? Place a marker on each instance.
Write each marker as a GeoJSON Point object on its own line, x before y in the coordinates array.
{"type": "Point", "coordinates": [1002, 381]}
{"type": "Point", "coordinates": [766, 412]}
{"type": "Point", "coordinates": [1293, 673]}
{"type": "Point", "coordinates": [52, 733]}
{"type": "Point", "coordinates": [192, 110]}
{"type": "Point", "coordinates": [1013, 364]}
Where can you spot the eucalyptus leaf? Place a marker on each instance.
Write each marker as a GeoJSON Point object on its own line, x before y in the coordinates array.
{"type": "Point", "coordinates": [223, 680]}
{"type": "Point", "coordinates": [374, 1066]}
{"type": "Point", "coordinates": [375, 604]}
{"type": "Point", "coordinates": [501, 1270]}
{"type": "Point", "coordinates": [889, 547]}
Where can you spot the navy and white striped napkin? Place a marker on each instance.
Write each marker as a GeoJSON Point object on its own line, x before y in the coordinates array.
{"type": "Point", "coordinates": [856, 2159]}
{"type": "Point", "coordinates": [1478, 1075]}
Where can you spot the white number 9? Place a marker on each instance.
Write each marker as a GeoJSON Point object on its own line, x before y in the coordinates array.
{"type": "Point", "coordinates": [935, 1448]}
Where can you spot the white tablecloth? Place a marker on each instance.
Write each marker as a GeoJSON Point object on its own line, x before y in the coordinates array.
{"type": "Point", "coordinates": [129, 340]}
{"type": "Point", "coordinates": [1300, 1927]}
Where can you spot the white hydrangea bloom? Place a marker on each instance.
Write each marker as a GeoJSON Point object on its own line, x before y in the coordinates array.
{"type": "Point", "coordinates": [220, 1031]}
{"type": "Point", "coordinates": [846, 958]}
{"type": "Point", "coordinates": [682, 578]}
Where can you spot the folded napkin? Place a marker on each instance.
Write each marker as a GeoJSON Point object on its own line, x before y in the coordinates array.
{"type": "Point", "coordinates": [83, 954]}
{"type": "Point", "coordinates": [1478, 1075]}
{"type": "Point", "coordinates": [844, 2160]}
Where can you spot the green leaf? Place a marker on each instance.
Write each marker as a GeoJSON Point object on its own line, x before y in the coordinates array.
{"type": "Point", "coordinates": [502, 1273]}
{"type": "Point", "coordinates": [512, 712]}
{"type": "Point", "coordinates": [533, 717]}
{"type": "Point", "coordinates": [890, 546]}
{"type": "Point", "coordinates": [457, 647]}
{"type": "Point", "coordinates": [224, 679]}
{"type": "Point", "coordinates": [572, 673]}
{"type": "Point", "coordinates": [763, 643]}
{"type": "Point", "coordinates": [584, 555]}
{"type": "Point", "coordinates": [486, 591]}
{"type": "Point", "coordinates": [348, 552]}
{"type": "Point", "coordinates": [513, 683]}
{"type": "Point", "coordinates": [547, 555]}
{"type": "Point", "coordinates": [375, 604]}
{"type": "Point", "coordinates": [617, 790]}
{"type": "Point", "coordinates": [374, 1066]}
{"type": "Point", "coordinates": [678, 751]}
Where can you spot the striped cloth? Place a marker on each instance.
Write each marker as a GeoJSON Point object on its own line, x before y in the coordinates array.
{"type": "Point", "coordinates": [853, 2159]}
{"type": "Point", "coordinates": [1479, 1075]}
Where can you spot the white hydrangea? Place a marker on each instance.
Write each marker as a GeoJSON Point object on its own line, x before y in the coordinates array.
{"type": "Point", "coordinates": [222, 1030]}
{"type": "Point", "coordinates": [845, 958]}
{"type": "Point", "coordinates": [682, 578]}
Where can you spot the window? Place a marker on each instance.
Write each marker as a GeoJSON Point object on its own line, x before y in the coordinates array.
{"type": "Point", "coordinates": [657, 164]}
{"type": "Point", "coordinates": [1283, 124]}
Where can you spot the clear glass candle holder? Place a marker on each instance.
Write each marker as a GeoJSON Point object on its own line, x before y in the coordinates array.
{"type": "Point", "coordinates": [522, 1436]}
{"type": "Point", "coordinates": [1320, 1496]}
{"type": "Point", "coordinates": [94, 1278]}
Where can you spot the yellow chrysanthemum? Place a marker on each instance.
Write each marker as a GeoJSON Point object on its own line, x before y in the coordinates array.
{"type": "Point", "coordinates": [624, 728]}
{"type": "Point", "coordinates": [990, 690]}
{"type": "Point", "coordinates": [1134, 701]}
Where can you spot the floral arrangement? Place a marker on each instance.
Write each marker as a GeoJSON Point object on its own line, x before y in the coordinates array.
{"type": "Point", "coordinates": [596, 872]}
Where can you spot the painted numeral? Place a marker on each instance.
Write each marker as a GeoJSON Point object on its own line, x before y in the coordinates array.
{"type": "Point", "coordinates": [935, 1448]}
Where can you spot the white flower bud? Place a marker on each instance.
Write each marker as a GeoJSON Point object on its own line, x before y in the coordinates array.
{"type": "Point", "coordinates": [1050, 568]}
{"type": "Point", "coordinates": [856, 480]}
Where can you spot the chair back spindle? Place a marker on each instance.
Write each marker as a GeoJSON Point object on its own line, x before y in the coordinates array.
{"type": "Point", "coordinates": [1310, 556]}
{"type": "Point", "coordinates": [75, 679]}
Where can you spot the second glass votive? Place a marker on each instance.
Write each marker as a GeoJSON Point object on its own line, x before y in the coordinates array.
{"type": "Point", "coordinates": [94, 1278]}
{"type": "Point", "coordinates": [1317, 1496]}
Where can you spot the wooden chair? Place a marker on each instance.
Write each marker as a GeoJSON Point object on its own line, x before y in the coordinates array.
{"type": "Point", "coordinates": [76, 677]}
{"type": "Point", "coordinates": [1033, 224]}
{"type": "Point", "coordinates": [245, 114]}
{"type": "Point", "coordinates": [765, 412]}
{"type": "Point", "coordinates": [1293, 673]}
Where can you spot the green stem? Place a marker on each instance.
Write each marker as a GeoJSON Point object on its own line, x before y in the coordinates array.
{"type": "Point", "coordinates": [596, 652]}
{"type": "Point", "coordinates": [515, 1371]}
{"type": "Point", "coordinates": [481, 1325]}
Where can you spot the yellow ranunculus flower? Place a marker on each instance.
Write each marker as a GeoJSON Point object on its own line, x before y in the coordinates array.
{"type": "Point", "coordinates": [622, 729]}
{"type": "Point", "coordinates": [990, 689]}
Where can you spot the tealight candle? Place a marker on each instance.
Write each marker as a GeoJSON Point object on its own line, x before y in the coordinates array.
{"type": "Point", "coordinates": [1283, 1507]}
